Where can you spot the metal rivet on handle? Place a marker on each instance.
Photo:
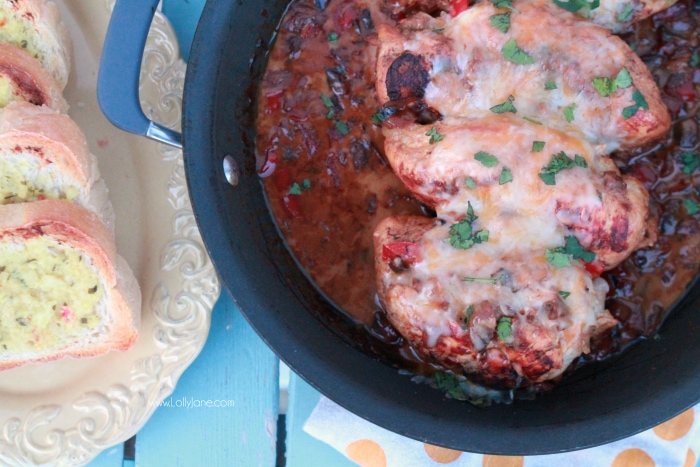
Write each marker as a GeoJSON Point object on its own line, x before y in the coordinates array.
{"type": "Point", "coordinates": [231, 171]}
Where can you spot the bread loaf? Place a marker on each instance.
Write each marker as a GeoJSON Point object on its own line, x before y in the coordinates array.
{"type": "Point", "coordinates": [44, 155]}
{"type": "Point", "coordinates": [22, 78]}
{"type": "Point", "coordinates": [36, 26]}
{"type": "Point", "coordinates": [63, 288]}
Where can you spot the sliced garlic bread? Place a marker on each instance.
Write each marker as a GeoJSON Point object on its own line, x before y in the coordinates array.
{"type": "Point", "coordinates": [36, 26]}
{"type": "Point", "coordinates": [22, 78]}
{"type": "Point", "coordinates": [64, 290]}
{"type": "Point", "coordinates": [44, 155]}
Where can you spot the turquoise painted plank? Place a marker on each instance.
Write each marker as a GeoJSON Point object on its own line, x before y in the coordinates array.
{"type": "Point", "coordinates": [111, 457]}
{"type": "Point", "coordinates": [234, 366]}
{"type": "Point", "coordinates": [183, 14]}
{"type": "Point", "coordinates": [304, 450]}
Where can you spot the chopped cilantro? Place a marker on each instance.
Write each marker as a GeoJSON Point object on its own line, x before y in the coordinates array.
{"type": "Point", "coordinates": [506, 176]}
{"type": "Point", "coordinates": [694, 58]}
{"type": "Point", "coordinates": [381, 115]}
{"type": "Point", "coordinates": [503, 4]}
{"type": "Point", "coordinates": [295, 189]}
{"type": "Point", "coordinates": [639, 102]}
{"type": "Point", "coordinates": [557, 257]}
{"type": "Point", "coordinates": [327, 101]}
{"type": "Point", "coordinates": [462, 234]}
{"type": "Point", "coordinates": [438, 30]}
{"type": "Point", "coordinates": [625, 14]}
{"type": "Point", "coordinates": [581, 7]}
{"type": "Point", "coordinates": [515, 54]}
{"type": "Point", "coordinates": [306, 184]}
{"type": "Point", "coordinates": [574, 248]}
{"type": "Point", "coordinates": [558, 163]}
{"type": "Point", "coordinates": [469, 182]}
{"type": "Point", "coordinates": [607, 86]}
{"type": "Point", "coordinates": [532, 120]}
{"type": "Point", "coordinates": [503, 328]}
{"type": "Point", "coordinates": [537, 146]}
{"type": "Point", "coordinates": [333, 38]}
{"type": "Point", "coordinates": [434, 135]}
{"type": "Point", "coordinates": [691, 206]}
{"type": "Point", "coordinates": [690, 162]}
{"type": "Point", "coordinates": [342, 128]}
{"type": "Point", "coordinates": [501, 22]}
{"type": "Point", "coordinates": [507, 106]}
{"type": "Point", "coordinates": [450, 384]}
{"type": "Point", "coordinates": [486, 159]}
{"type": "Point", "coordinates": [550, 85]}
{"type": "Point", "coordinates": [657, 337]}
{"type": "Point", "coordinates": [569, 112]}
{"type": "Point", "coordinates": [564, 294]}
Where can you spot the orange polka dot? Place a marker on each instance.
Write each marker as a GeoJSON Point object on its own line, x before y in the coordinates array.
{"type": "Point", "coordinates": [441, 455]}
{"type": "Point", "coordinates": [690, 459]}
{"type": "Point", "coordinates": [367, 453]}
{"type": "Point", "coordinates": [677, 427]}
{"type": "Point", "coordinates": [503, 461]}
{"type": "Point", "coordinates": [633, 458]}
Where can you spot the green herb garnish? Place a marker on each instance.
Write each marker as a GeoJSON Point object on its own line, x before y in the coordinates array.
{"type": "Point", "coordinates": [559, 257]}
{"type": "Point", "coordinates": [581, 7]}
{"type": "Point", "coordinates": [550, 85]}
{"type": "Point", "coordinates": [558, 163]}
{"type": "Point", "coordinates": [381, 115]}
{"type": "Point", "coordinates": [434, 135]}
{"type": "Point", "coordinates": [691, 207]}
{"type": "Point", "coordinates": [468, 316]}
{"type": "Point", "coordinates": [607, 86]}
{"type": "Point", "coordinates": [690, 162]}
{"type": "Point", "coordinates": [469, 182]}
{"type": "Point", "coordinates": [329, 105]}
{"type": "Point", "coordinates": [506, 176]}
{"type": "Point", "coordinates": [504, 327]}
{"type": "Point", "coordinates": [515, 54]}
{"type": "Point", "coordinates": [639, 103]}
{"type": "Point", "coordinates": [564, 294]}
{"type": "Point", "coordinates": [501, 22]}
{"type": "Point", "coordinates": [295, 189]}
{"type": "Point", "coordinates": [486, 159]}
{"type": "Point", "coordinates": [306, 184]}
{"type": "Point", "coordinates": [532, 120]}
{"type": "Point", "coordinates": [504, 4]}
{"type": "Point", "coordinates": [342, 128]}
{"type": "Point", "coordinates": [537, 146]}
{"type": "Point", "coordinates": [507, 106]}
{"type": "Point", "coordinates": [462, 234]}
{"type": "Point", "coordinates": [480, 280]}
{"type": "Point", "coordinates": [694, 58]}
{"type": "Point", "coordinates": [333, 38]}
{"type": "Point", "coordinates": [569, 112]}
{"type": "Point", "coordinates": [450, 384]}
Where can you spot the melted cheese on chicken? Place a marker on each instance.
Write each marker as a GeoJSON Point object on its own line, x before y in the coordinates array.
{"type": "Point", "coordinates": [49, 293]}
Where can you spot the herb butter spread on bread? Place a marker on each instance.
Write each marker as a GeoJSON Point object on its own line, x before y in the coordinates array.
{"type": "Point", "coordinates": [64, 290]}
{"type": "Point", "coordinates": [44, 155]}
{"type": "Point", "coordinates": [36, 27]}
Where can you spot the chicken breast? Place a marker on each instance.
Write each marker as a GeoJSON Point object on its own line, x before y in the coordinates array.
{"type": "Point", "coordinates": [530, 185]}
{"type": "Point", "coordinates": [536, 60]}
{"type": "Point", "coordinates": [508, 319]}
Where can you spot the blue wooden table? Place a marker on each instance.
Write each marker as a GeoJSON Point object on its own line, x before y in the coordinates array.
{"type": "Point", "coordinates": [235, 368]}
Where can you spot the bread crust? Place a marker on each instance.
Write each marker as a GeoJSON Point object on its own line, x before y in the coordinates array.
{"type": "Point", "coordinates": [29, 80]}
{"type": "Point", "coordinates": [56, 139]}
{"type": "Point", "coordinates": [82, 230]}
{"type": "Point", "coordinates": [54, 37]}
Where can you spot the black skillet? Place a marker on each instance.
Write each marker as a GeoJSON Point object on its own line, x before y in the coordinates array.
{"type": "Point", "coordinates": [650, 383]}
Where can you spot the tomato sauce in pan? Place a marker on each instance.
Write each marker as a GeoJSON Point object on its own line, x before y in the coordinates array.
{"type": "Point", "coordinates": [320, 152]}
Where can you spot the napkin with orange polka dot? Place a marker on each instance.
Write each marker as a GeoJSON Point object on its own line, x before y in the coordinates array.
{"type": "Point", "coordinates": [671, 444]}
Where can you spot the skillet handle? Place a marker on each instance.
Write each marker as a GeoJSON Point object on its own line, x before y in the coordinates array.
{"type": "Point", "coordinates": [120, 68]}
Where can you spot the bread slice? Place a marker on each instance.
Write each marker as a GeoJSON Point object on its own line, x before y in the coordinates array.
{"type": "Point", "coordinates": [22, 78]}
{"type": "Point", "coordinates": [63, 288]}
{"type": "Point", "coordinates": [44, 155]}
{"type": "Point", "coordinates": [36, 26]}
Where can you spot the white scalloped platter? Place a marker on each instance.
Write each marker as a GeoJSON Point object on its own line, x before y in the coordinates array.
{"type": "Point", "coordinates": [66, 412]}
